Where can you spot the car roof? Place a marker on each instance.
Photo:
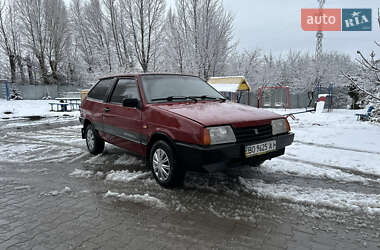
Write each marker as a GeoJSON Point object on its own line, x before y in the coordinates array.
{"type": "Point", "coordinates": [142, 74]}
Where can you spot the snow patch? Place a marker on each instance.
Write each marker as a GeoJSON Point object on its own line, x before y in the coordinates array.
{"type": "Point", "coordinates": [65, 190]}
{"type": "Point", "coordinates": [127, 160]}
{"type": "Point", "coordinates": [79, 173]}
{"type": "Point", "coordinates": [145, 199]}
{"type": "Point", "coordinates": [99, 159]}
{"type": "Point", "coordinates": [125, 176]}
{"type": "Point", "coordinates": [332, 198]}
{"type": "Point", "coordinates": [306, 170]}
{"type": "Point", "coordinates": [26, 108]}
{"type": "Point", "coordinates": [32, 170]}
{"type": "Point", "coordinates": [23, 188]}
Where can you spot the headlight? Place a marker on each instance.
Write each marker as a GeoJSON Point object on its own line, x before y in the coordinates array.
{"type": "Point", "coordinates": [218, 135]}
{"type": "Point", "coordinates": [280, 126]}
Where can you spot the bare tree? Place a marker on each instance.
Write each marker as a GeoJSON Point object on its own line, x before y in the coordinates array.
{"type": "Point", "coordinates": [32, 14]}
{"type": "Point", "coordinates": [175, 40]}
{"type": "Point", "coordinates": [82, 33]}
{"type": "Point", "coordinates": [145, 19]}
{"type": "Point", "coordinates": [112, 20]}
{"type": "Point", "coordinates": [247, 63]}
{"type": "Point", "coordinates": [121, 36]}
{"type": "Point", "coordinates": [9, 35]}
{"type": "Point", "coordinates": [371, 72]}
{"type": "Point", "coordinates": [58, 35]}
{"type": "Point", "coordinates": [208, 33]}
{"type": "Point", "coordinates": [99, 36]}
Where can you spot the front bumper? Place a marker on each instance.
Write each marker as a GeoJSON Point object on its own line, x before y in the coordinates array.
{"type": "Point", "coordinates": [218, 157]}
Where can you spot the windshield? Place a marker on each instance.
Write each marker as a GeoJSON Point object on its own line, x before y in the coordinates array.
{"type": "Point", "coordinates": [175, 87]}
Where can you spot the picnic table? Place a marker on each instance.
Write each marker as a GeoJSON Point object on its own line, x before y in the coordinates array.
{"type": "Point", "coordinates": [73, 102]}
{"type": "Point", "coordinates": [59, 106]}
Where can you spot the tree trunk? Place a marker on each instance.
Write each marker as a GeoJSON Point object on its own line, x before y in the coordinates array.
{"type": "Point", "coordinates": [43, 70]}
{"type": "Point", "coordinates": [21, 68]}
{"type": "Point", "coordinates": [71, 72]}
{"type": "Point", "coordinates": [54, 67]}
{"type": "Point", "coordinates": [12, 64]}
{"type": "Point", "coordinates": [144, 67]}
{"type": "Point", "coordinates": [30, 70]}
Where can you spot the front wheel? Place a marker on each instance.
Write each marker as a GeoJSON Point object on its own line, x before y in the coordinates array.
{"type": "Point", "coordinates": [163, 163]}
{"type": "Point", "coordinates": [95, 144]}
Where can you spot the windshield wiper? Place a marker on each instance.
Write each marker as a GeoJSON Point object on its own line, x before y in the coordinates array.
{"type": "Point", "coordinates": [204, 97]}
{"type": "Point", "coordinates": [172, 98]}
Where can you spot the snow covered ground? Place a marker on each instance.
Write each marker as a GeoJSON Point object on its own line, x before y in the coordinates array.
{"type": "Point", "coordinates": [17, 109]}
{"type": "Point", "coordinates": [328, 146]}
{"type": "Point", "coordinates": [338, 140]}
{"type": "Point", "coordinates": [334, 163]}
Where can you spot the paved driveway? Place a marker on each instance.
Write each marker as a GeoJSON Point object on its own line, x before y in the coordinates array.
{"type": "Point", "coordinates": [54, 195]}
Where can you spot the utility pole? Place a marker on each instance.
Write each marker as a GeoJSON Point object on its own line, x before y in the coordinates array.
{"type": "Point", "coordinates": [318, 48]}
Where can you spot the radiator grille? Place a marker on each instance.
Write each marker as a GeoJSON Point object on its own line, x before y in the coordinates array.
{"type": "Point", "coordinates": [248, 134]}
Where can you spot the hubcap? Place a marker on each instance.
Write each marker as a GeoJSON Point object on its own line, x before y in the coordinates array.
{"type": "Point", "coordinates": [90, 139]}
{"type": "Point", "coordinates": [161, 165]}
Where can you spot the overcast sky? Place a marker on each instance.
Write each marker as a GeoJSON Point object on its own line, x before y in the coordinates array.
{"type": "Point", "coordinates": [275, 25]}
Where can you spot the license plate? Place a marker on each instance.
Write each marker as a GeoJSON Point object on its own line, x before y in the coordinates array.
{"type": "Point", "coordinates": [259, 149]}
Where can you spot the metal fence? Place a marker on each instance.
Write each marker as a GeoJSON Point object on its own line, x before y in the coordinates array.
{"type": "Point", "coordinates": [37, 92]}
{"type": "Point", "coordinates": [301, 99]}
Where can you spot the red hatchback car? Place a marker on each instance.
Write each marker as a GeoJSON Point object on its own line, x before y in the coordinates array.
{"type": "Point", "coordinates": [179, 123]}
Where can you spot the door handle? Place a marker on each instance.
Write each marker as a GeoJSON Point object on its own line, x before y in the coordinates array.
{"type": "Point", "coordinates": [107, 109]}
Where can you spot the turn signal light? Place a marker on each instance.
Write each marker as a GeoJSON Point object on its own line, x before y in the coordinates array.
{"type": "Point", "coordinates": [287, 124]}
{"type": "Point", "coordinates": [206, 137]}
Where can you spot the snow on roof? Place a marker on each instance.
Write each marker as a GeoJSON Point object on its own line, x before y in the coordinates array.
{"type": "Point", "coordinates": [229, 83]}
{"type": "Point", "coordinates": [226, 87]}
{"type": "Point", "coordinates": [222, 77]}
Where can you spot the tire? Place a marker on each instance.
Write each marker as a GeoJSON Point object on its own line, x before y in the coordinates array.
{"type": "Point", "coordinates": [164, 167]}
{"type": "Point", "coordinates": [95, 144]}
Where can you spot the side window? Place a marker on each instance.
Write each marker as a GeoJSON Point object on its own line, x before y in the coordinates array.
{"type": "Point", "coordinates": [100, 90]}
{"type": "Point", "coordinates": [125, 88]}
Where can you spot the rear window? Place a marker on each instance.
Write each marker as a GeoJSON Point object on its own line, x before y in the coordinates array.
{"type": "Point", "coordinates": [125, 88]}
{"type": "Point", "coordinates": [100, 90]}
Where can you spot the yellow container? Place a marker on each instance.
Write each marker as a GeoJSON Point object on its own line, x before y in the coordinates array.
{"type": "Point", "coordinates": [83, 94]}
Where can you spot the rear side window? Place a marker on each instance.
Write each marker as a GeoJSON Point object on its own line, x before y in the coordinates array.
{"type": "Point", "coordinates": [125, 88]}
{"type": "Point", "coordinates": [100, 90]}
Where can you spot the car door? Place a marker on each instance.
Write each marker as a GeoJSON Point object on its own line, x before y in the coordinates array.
{"type": "Point", "coordinates": [123, 125]}
{"type": "Point", "coordinates": [96, 99]}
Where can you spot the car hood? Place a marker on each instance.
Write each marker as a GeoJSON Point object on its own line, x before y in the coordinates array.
{"type": "Point", "coordinates": [216, 113]}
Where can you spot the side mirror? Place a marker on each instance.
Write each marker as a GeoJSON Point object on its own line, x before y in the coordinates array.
{"type": "Point", "coordinates": [131, 103]}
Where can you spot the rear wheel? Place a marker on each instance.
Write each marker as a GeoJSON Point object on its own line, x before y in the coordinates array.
{"type": "Point", "coordinates": [163, 163]}
{"type": "Point", "coordinates": [95, 144]}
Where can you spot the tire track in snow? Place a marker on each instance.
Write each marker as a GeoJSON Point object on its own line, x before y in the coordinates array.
{"type": "Point", "coordinates": [31, 143]}
{"type": "Point", "coordinates": [67, 144]}
{"type": "Point", "coordinates": [337, 147]}
{"type": "Point", "coordinates": [320, 197]}
{"type": "Point", "coordinates": [62, 157]}
{"type": "Point", "coordinates": [43, 125]}
{"type": "Point", "coordinates": [373, 177]}
{"type": "Point", "coordinates": [301, 175]}
{"type": "Point", "coordinates": [308, 171]}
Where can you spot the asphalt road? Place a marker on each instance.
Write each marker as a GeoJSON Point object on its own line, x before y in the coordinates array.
{"type": "Point", "coordinates": [43, 205]}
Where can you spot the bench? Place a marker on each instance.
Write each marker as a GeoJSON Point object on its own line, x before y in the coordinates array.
{"type": "Point", "coordinates": [59, 106]}
{"type": "Point", "coordinates": [74, 102]}
{"type": "Point", "coordinates": [365, 117]}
